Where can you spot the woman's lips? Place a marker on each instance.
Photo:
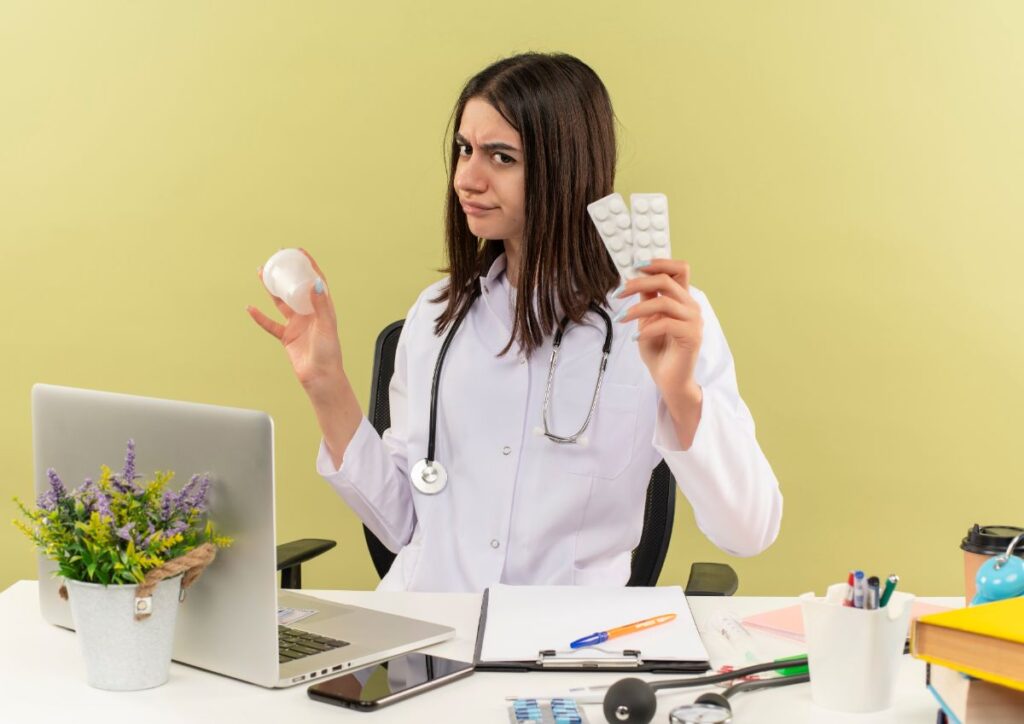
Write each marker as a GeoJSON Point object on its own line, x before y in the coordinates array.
{"type": "Point", "coordinates": [476, 210]}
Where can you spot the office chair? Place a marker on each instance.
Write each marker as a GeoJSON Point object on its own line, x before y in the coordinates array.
{"type": "Point", "coordinates": [706, 579]}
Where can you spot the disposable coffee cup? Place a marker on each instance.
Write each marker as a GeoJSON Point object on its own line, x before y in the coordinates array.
{"type": "Point", "coordinates": [854, 654]}
{"type": "Point", "coordinates": [981, 543]}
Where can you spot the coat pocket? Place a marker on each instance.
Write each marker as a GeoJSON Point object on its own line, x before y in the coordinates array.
{"type": "Point", "coordinates": [607, 445]}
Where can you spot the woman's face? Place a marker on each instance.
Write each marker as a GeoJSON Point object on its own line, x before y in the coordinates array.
{"type": "Point", "coordinates": [489, 175]}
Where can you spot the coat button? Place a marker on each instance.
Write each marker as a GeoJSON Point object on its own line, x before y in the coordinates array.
{"type": "Point", "coordinates": [506, 450]}
{"type": "Point", "coordinates": [495, 543]}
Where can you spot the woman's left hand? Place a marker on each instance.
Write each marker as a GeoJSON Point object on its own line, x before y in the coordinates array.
{"type": "Point", "coordinates": [670, 325]}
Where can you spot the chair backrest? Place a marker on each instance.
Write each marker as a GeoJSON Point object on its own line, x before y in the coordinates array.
{"type": "Point", "coordinates": [659, 510]}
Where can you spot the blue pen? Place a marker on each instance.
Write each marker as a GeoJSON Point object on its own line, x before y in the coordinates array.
{"type": "Point", "coordinates": [601, 636]}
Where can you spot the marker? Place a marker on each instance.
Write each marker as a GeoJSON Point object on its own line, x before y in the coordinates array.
{"type": "Point", "coordinates": [858, 589]}
{"type": "Point", "coordinates": [890, 586]}
{"type": "Point", "coordinates": [848, 598]}
{"type": "Point", "coordinates": [601, 636]}
{"type": "Point", "coordinates": [871, 599]}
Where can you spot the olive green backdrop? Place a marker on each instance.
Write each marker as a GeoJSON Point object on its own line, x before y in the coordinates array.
{"type": "Point", "coordinates": [845, 179]}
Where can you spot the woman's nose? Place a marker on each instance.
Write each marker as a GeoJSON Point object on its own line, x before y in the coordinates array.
{"type": "Point", "coordinates": [469, 176]}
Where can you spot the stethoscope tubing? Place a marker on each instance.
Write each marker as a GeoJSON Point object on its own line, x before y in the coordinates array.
{"type": "Point", "coordinates": [436, 384]}
{"type": "Point", "coordinates": [443, 352]}
{"type": "Point", "coordinates": [730, 676]}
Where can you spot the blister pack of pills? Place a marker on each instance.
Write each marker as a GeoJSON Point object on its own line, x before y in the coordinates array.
{"type": "Point", "coordinates": [555, 711]}
{"type": "Point", "coordinates": [637, 234]}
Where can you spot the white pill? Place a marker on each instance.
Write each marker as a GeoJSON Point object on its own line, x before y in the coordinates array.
{"type": "Point", "coordinates": [643, 239]}
{"type": "Point", "coordinates": [640, 205]}
{"type": "Point", "coordinates": [622, 220]}
{"type": "Point", "coordinates": [617, 206]}
{"type": "Point", "coordinates": [658, 205]}
{"type": "Point", "coordinates": [643, 255]}
{"type": "Point", "coordinates": [660, 239]}
{"type": "Point", "coordinates": [608, 227]}
{"type": "Point", "coordinates": [600, 212]}
{"type": "Point", "coordinates": [642, 223]}
{"type": "Point", "coordinates": [624, 259]}
{"type": "Point", "coordinates": [615, 244]}
{"type": "Point", "coordinates": [658, 222]}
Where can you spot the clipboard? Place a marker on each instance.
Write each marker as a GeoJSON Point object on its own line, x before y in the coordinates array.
{"type": "Point", "coordinates": [624, 654]}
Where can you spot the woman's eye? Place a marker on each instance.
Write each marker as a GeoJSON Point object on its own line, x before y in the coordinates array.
{"type": "Point", "coordinates": [463, 149]}
{"type": "Point", "coordinates": [504, 159]}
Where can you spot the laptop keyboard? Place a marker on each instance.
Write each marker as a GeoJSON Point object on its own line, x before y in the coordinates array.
{"type": "Point", "coordinates": [293, 644]}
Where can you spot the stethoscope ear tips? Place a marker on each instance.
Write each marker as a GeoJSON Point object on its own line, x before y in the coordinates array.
{"type": "Point", "coordinates": [630, 700]}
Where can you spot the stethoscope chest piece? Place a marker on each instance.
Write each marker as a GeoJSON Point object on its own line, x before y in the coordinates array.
{"type": "Point", "coordinates": [700, 713]}
{"type": "Point", "coordinates": [428, 477]}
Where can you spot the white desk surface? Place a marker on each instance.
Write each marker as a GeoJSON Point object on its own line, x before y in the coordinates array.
{"type": "Point", "coordinates": [44, 677]}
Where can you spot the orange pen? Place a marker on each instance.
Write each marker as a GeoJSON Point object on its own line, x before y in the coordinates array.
{"type": "Point", "coordinates": [601, 636]}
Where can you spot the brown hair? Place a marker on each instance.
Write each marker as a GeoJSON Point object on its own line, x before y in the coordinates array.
{"type": "Point", "coordinates": [562, 112]}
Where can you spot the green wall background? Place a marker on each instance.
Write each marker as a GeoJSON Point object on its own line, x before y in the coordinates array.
{"type": "Point", "coordinates": [845, 180]}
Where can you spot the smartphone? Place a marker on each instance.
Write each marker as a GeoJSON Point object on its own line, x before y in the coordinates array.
{"type": "Point", "coordinates": [389, 681]}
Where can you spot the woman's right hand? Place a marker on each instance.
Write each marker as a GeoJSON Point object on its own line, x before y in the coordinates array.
{"type": "Point", "coordinates": [311, 340]}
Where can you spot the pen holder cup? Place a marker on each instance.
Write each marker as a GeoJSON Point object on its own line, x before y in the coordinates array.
{"type": "Point", "coordinates": [854, 654]}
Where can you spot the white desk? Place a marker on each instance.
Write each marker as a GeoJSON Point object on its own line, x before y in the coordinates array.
{"type": "Point", "coordinates": [44, 678]}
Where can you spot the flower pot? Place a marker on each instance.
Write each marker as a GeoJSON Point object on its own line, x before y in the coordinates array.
{"type": "Point", "coordinates": [121, 653]}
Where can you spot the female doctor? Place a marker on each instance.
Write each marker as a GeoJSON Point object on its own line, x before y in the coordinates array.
{"type": "Point", "coordinates": [531, 478]}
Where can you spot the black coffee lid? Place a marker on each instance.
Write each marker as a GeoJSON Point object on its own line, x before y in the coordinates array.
{"type": "Point", "coordinates": [991, 539]}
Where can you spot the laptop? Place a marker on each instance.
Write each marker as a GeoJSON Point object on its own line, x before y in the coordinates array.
{"type": "Point", "coordinates": [228, 622]}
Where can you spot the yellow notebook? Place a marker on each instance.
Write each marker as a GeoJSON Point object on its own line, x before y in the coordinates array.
{"type": "Point", "coordinates": [985, 641]}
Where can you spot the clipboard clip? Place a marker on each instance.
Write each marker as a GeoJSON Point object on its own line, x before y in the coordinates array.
{"type": "Point", "coordinates": [549, 659]}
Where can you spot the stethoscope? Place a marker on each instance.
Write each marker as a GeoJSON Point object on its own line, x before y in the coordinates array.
{"type": "Point", "coordinates": [429, 476]}
{"type": "Point", "coordinates": [633, 700]}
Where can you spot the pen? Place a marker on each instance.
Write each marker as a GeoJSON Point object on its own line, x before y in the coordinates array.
{"type": "Point", "coordinates": [858, 589]}
{"type": "Point", "coordinates": [890, 586]}
{"type": "Point", "coordinates": [871, 599]}
{"type": "Point", "coordinates": [601, 636]}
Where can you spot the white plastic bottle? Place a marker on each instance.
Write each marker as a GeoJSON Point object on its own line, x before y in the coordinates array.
{"type": "Point", "coordinates": [289, 275]}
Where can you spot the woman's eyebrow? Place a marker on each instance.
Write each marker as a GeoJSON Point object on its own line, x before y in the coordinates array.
{"type": "Point", "coordinates": [489, 147]}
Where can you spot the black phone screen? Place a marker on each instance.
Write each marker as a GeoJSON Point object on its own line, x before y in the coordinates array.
{"type": "Point", "coordinates": [370, 685]}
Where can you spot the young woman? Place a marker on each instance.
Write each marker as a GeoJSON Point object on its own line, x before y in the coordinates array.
{"type": "Point", "coordinates": [513, 491]}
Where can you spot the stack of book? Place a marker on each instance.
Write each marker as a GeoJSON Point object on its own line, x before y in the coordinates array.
{"type": "Point", "coordinates": [975, 661]}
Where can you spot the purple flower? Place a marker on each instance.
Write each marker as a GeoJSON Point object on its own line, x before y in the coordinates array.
{"type": "Point", "coordinates": [193, 495]}
{"type": "Point", "coordinates": [102, 501]}
{"type": "Point", "coordinates": [87, 494]}
{"type": "Point", "coordinates": [125, 482]}
{"type": "Point", "coordinates": [56, 493]}
{"type": "Point", "coordinates": [124, 532]}
{"type": "Point", "coordinates": [199, 502]}
{"type": "Point", "coordinates": [55, 483]}
{"type": "Point", "coordinates": [185, 494]}
{"type": "Point", "coordinates": [129, 464]}
{"type": "Point", "coordinates": [178, 527]}
{"type": "Point", "coordinates": [167, 505]}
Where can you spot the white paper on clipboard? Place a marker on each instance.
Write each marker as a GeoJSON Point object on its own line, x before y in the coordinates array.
{"type": "Point", "coordinates": [524, 620]}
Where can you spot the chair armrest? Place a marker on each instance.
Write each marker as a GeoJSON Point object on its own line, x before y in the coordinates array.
{"type": "Point", "coordinates": [712, 579]}
{"type": "Point", "coordinates": [291, 556]}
